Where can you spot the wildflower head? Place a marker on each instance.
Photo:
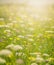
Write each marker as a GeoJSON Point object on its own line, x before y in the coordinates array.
{"type": "Point", "coordinates": [46, 55]}
{"type": "Point", "coordinates": [19, 61]}
{"type": "Point", "coordinates": [14, 47]}
{"type": "Point", "coordinates": [5, 52]}
{"type": "Point", "coordinates": [17, 47]}
{"type": "Point", "coordinates": [2, 61]}
{"type": "Point", "coordinates": [32, 58]}
{"type": "Point", "coordinates": [10, 46]}
{"type": "Point", "coordinates": [34, 64]}
{"type": "Point", "coordinates": [39, 60]}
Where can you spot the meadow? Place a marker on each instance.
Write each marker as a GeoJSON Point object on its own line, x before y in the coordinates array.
{"type": "Point", "coordinates": [26, 38]}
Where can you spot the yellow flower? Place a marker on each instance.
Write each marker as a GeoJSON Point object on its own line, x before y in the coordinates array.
{"type": "Point", "coordinates": [24, 41]}
{"type": "Point", "coordinates": [10, 55]}
{"type": "Point", "coordinates": [10, 38]}
{"type": "Point", "coordinates": [32, 58]}
{"type": "Point", "coordinates": [16, 25]}
{"type": "Point", "coordinates": [51, 59]}
{"type": "Point", "coordinates": [45, 35]}
{"type": "Point", "coordinates": [17, 38]}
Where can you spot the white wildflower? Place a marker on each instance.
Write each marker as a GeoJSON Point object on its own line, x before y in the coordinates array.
{"type": "Point", "coordinates": [29, 35]}
{"type": "Point", "coordinates": [12, 13]}
{"type": "Point", "coordinates": [1, 26]}
{"type": "Point", "coordinates": [2, 61]}
{"type": "Point", "coordinates": [10, 24]}
{"type": "Point", "coordinates": [40, 35]}
{"type": "Point", "coordinates": [35, 53]}
{"type": "Point", "coordinates": [14, 47]}
{"type": "Point", "coordinates": [5, 52]}
{"type": "Point", "coordinates": [49, 31]}
{"type": "Point", "coordinates": [1, 19]}
{"type": "Point", "coordinates": [39, 59]}
{"type": "Point", "coordinates": [19, 54]}
{"type": "Point", "coordinates": [7, 31]}
{"type": "Point", "coordinates": [19, 61]}
{"type": "Point", "coordinates": [10, 46]}
{"type": "Point", "coordinates": [38, 56]}
{"type": "Point", "coordinates": [52, 27]}
{"type": "Point", "coordinates": [17, 47]}
{"type": "Point", "coordinates": [10, 19]}
{"type": "Point", "coordinates": [34, 64]}
{"type": "Point", "coordinates": [14, 21]}
{"type": "Point", "coordinates": [20, 36]}
{"type": "Point", "coordinates": [30, 23]}
{"type": "Point", "coordinates": [47, 64]}
{"type": "Point", "coordinates": [30, 39]}
{"type": "Point", "coordinates": [44, 19]}
{"type": "Point", "coordinates": [31, 29]}
{"type": "Point", "coordinates": [38, 53]}
{"type": "Point", "coordinates": [6, 26]}
{"type": "Point", "coordinates": [45, 55]}
{"type": "Point", "coordinates": [22, 25]}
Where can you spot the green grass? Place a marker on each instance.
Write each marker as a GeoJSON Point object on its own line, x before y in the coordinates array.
{"type": "Point", "coordinates": [23, 39]}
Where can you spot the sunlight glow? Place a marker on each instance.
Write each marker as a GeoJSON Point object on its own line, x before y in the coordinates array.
{"type": "Point", "coordinates": [40, 7]}
{"type": "Point", "coordinates": [39, 4]}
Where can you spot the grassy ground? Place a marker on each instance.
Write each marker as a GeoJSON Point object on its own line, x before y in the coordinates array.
{"type": "Point", "coordinates": [24, 39]}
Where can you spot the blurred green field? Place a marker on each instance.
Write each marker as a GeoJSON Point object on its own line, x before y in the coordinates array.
{"type": "Point", "coordinates": [24, 38]}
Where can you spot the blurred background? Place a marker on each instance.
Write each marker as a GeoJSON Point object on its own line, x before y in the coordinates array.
{"type": "Point", "coordinates": [29, 23]}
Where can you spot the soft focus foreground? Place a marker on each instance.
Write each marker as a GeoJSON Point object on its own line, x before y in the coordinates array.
{"type": "Point", "coordinates": [26, 35]}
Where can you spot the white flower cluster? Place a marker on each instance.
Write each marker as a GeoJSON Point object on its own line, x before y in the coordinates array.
{"type": "Point", "coordinates": [1, 19]}
{"type": "Point", "coordinates": [19, 61]}
{"type": "Point", "coordinates": [14, 47]}
{"type": "Point", "coordinates": [5, 52]}
{"type": "Point", "coordinates": [34, 64]}
{"type": "Point", "coordinates": [39, 57]}
{"type": "Point", "coordinates": [2, 61]}
{"type": "Point", "coordinates": [49, 31]}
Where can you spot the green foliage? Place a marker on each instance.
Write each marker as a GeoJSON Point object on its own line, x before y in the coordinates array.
{"type": "Point", "coordinates": [25, 40]}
